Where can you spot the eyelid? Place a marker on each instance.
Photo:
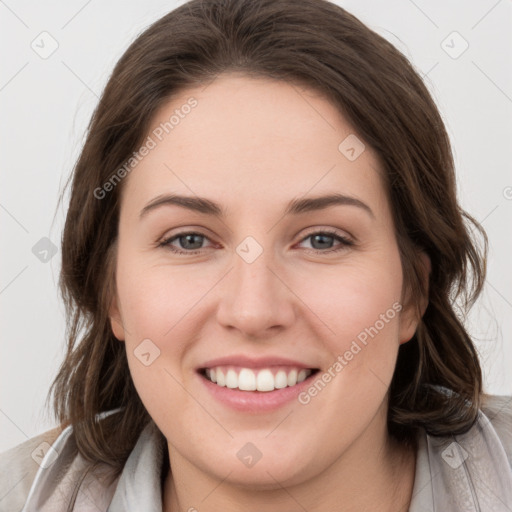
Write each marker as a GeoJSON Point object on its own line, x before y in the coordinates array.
{"type": "Point", "coordinates": [185, 230]}
{"type": "Point", "coordinates": [344, 240]}
{"type": "Point", "coordinates": [166, 240]}
{"type": "Point", "coordinates": [331, 231]}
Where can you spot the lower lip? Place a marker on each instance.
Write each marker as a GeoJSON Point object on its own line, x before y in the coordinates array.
{"type": "Point", "coordinates": [255, 401]}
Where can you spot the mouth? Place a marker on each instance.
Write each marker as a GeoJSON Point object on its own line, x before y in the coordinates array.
{"type": "Point", "coordinates": [264, 379]}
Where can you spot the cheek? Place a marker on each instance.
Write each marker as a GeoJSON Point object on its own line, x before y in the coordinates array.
{"type": "Point", "coordinates": [158, 312]}
{"type": "Point", "coordinates": [162, 307]}
{"type": "Point", "coordinates": [353, 297]}
{"type": "Point", "coordinates": [160, 299]}
{"type": "Point", "coordinates": [360, 305]}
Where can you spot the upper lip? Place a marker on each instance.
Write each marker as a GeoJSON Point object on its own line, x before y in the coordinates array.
{"type": "Point", "coordinates": [250, 362]}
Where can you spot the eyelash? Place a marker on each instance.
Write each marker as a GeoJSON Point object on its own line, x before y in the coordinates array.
{"type": "Point", "coordinates": [345, 242]}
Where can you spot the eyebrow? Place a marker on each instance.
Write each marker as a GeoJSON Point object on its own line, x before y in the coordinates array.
{"type": "Point", "coordinates": [295, 207]}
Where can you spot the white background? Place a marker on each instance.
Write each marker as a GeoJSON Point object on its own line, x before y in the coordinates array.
{"type": "Point", "coordinates": [46, 104]}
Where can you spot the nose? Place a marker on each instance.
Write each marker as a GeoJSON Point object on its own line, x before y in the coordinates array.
{"type": "Point", "coordinates": [255, 298]}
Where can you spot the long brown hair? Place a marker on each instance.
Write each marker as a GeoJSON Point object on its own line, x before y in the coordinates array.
{"type": "Point", "coordinates": [437, 384]}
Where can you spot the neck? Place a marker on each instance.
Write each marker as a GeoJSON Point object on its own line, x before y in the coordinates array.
{"type": "Point", "coordinates": [375, 473]}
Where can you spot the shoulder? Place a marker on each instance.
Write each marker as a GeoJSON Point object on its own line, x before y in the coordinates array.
{"type": "Point", "coordinates": [472, 470]}
{"type": "Point", "coordinates": [47, 472]}
{"type": "Point", "coordinates": [19, 466]}
{"type": "Point", "coordinates": [498, 410]}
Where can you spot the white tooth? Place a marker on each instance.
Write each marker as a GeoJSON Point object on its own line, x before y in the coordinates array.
{"type": "Point", "coordinates": [281, 380]}
{"type": "Point", "coordinates": [292, 378]}
{"type": "Point", "coordinates": [246, 380]}
{"type": "Point", "coordinates": [265, 381]}
{"type": "Point", "coordinates": [231, 379]}
{"type": "Point", "coordinates": [221, 379]}
{"type": "Point", "coordinates": [250, 380]}
{"type": "Point", "coordinates": [301, 376]}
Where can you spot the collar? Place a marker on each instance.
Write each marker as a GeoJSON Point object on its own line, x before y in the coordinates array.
{"type": "Point", "coordinates": [463, 473]}
{"type": "Point", "coordinates": [139, 486]}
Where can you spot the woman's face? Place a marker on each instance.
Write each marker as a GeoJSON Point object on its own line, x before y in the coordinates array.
{"type": "Point", "coordinates": [248, 276]}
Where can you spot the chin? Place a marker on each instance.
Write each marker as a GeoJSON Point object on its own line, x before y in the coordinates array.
{"type": "Point", "coordinates": [258, 465]}
{"type": "Point", "coordinates": [264, 476]}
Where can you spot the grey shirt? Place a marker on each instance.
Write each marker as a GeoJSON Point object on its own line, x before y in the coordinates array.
{"type": "Point", "coordinates": [464, 473]}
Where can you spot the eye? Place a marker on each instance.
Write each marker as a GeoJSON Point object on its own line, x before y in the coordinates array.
{"type": "Point", "coordinates": [187, 243]}
{"type": "Point", "coordinates": [323, 241]}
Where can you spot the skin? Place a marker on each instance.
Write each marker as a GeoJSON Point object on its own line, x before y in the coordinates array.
{"type": "Point", "coordinates": [292, 301]}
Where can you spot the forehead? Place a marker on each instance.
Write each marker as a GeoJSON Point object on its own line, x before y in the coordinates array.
{"type": "Point", "coordinates": [253, 139]}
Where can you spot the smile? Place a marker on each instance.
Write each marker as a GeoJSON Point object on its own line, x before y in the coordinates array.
{"type": "Point", "coordinates": [253, 379]}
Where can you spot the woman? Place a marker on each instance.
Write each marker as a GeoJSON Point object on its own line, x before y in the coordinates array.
{"type": "Point", "coordinates": [261, 257]}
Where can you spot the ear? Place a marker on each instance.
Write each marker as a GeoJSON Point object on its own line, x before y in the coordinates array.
{"type": "Point", "coordinates": [115, 319]}
{"type": "Point", "coordinates": [412, 315]}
